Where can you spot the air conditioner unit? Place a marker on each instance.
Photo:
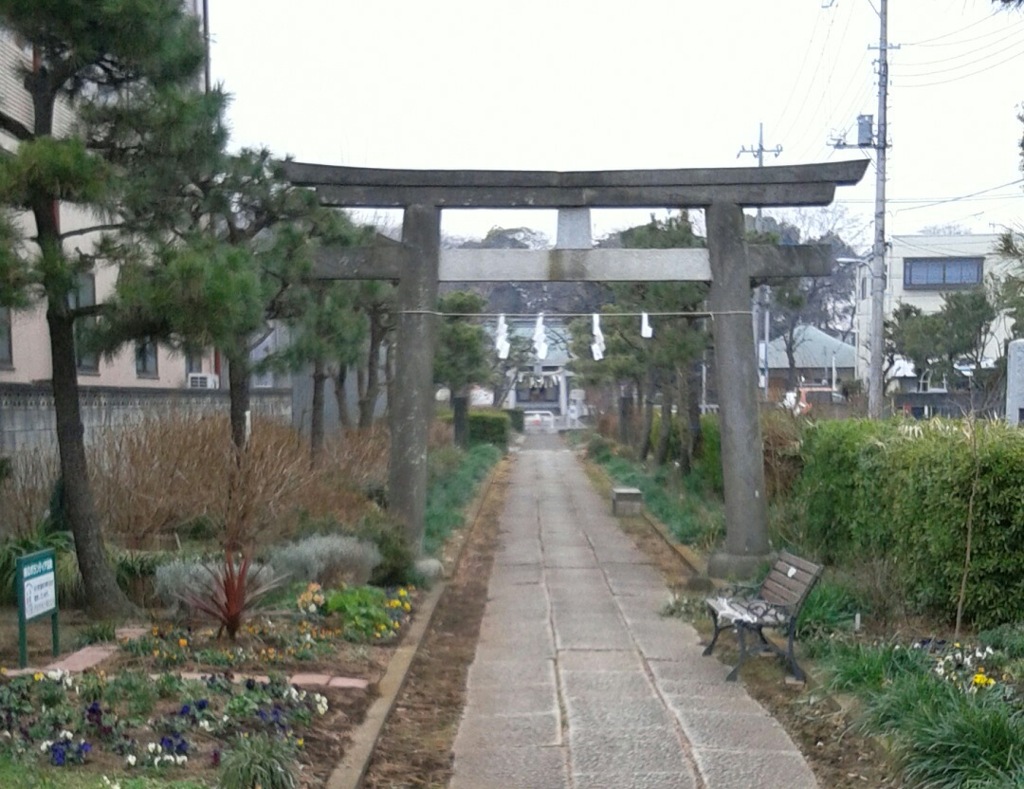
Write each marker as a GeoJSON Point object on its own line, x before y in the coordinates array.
{"type": "Point", "coordinates": [203, 381]}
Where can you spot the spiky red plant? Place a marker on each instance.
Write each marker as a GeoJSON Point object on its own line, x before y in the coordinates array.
{"type": "Point", "coordinates": [234, 590]}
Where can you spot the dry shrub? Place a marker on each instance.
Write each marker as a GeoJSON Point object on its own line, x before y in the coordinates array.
{"type": "Point", "coordinates": [25, 494]}
{"type": "Point", "coordinates": [166, 472]}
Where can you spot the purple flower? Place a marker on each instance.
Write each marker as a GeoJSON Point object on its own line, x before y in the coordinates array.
{"type": "Point", "coordinates": [185, 710]}
{"type": "Point", "coordinates": [202, 704]}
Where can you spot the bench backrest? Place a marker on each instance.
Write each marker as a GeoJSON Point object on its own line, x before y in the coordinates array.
{"type": "Point", "coordinates": [790, 581]}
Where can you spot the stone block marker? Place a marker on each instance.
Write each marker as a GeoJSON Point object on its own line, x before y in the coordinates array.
{"type": "Point", "coordinates": [627, 501]}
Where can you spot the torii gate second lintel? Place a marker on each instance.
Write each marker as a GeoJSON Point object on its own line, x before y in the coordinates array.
{"type": "Point", "coordinates": [418, 264]}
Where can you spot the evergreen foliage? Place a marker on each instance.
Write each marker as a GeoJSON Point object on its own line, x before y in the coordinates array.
{"type": "Point", "coordinates": [112, 63]}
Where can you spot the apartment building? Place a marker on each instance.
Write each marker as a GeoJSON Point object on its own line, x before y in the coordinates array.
{"type": "Point", "coordinates": [24, 341]}
{"type": "Point", "coordinates": [921, 268]}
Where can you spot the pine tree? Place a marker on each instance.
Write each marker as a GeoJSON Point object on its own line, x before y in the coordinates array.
{"type": "Point", "coordinates": [113, 64]}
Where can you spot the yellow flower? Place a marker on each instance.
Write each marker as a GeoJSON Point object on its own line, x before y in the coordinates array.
{"type": "Point", "coordinates": [155, 630]}
{"type": "Point", "coordinates": [406, 607]}
{"type": "Point", "coordinates": [3, 671]}
{"type": "Point", "coordinates": [156, 653]}
{"type": "Point", "coordinates": [402, 593]}
{"type": "Point", "coordinates": [300, 742]}
{"type": "Point", "coordinates": [38, 676]}
{"type": "Point", "coordinates": [182, 642]}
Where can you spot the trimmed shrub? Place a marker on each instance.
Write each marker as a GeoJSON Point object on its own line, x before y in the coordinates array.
{"type": "Point", "coordinates": [328, 560]}
{"type": "Point", "coordinates": [397, 562]}
{"type": "Point", "coordinates": [842, 489]}
{"type": "Point", "coordinates": [517, 419]}
{"type": "Point", "coordinates": [489, 427]}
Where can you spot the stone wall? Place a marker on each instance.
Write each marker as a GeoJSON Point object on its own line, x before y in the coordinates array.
{"type": "Point", "coordinates": [27, 417]}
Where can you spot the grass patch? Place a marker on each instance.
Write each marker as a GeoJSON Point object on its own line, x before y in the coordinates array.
{"type": "Point", "coordinates": [453, 484]}
{"type": "Point", "coordinates": [691, 516]}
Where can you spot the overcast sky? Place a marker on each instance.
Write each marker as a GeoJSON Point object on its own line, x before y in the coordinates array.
{"type": "Point", "coordinates": [610, 84]}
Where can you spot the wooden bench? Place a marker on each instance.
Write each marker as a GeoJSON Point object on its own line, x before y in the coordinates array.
{"type": "Point", "coordinates": [775, 604]}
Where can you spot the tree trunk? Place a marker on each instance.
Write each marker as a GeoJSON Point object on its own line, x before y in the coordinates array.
{"type": "Point", "coordinates": [104, 598]}
{"type": "Point", "coordinates": [791, 380]}
{"type": "Point", "coordinates": [340, 379]}
{"type": "Point", "coordinates": [460, 420]}
{"type": "Point", "coordinates": [389, 378]}
{"type": "Point", "coordinates": [368, 398]}
{"type": "Point", "coordinates": [625, 414]}
{"type": "Point", "coordinates": [238, 386]}
{"type": "Point", "coordinates": [644, 440]}
{"type": "Point", "coordinates": [695, 440]}
{"type": "Point", "coordinates": [665, 428]}
{"type": "Point", "coordinates": [316, 421]}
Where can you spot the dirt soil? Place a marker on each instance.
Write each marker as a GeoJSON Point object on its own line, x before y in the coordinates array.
{"type": "Point", "coordinates": [415, 748]}
{"type": "Point", "coordinates": [416, 745]}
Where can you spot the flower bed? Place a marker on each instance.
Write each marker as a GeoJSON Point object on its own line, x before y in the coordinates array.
{"type": "Point", "coordinates": [179, 702]}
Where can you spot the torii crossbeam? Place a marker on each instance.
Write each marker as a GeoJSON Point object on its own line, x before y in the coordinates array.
{"type": "Point", "coordinates": [419, 264]}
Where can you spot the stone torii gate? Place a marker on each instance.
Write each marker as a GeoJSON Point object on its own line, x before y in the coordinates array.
{"type": "Point", "coordinates": [419, 264]}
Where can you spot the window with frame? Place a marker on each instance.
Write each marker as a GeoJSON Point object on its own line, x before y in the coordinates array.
{"type": "Point", "coordinates": [84, 295]}
{"type": "Point", "coordinates": [6, 350]}
{"type": "Point", "coordinates": [146, 359]}
{"type": "Point", "coordinates": [942, 273]}
{"type": "Point", "coordinates": [193, 363]}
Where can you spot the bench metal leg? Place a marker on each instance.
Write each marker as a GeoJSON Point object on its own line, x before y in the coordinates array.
{"type": "Point", "coordinates": [798, 672]}
{"type": "Point", "coordinates": [718, 629]}
{"type": "Point", "coordinates": [741, 631]}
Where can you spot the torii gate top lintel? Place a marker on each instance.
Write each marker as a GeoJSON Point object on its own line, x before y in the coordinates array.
{"type": "Point", "coordinates": [792, 185]}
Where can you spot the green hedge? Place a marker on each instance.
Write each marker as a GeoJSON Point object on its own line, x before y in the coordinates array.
{"type": "Point", "coordinates": [489, 427]}
{"type": "Point", "coordinates": [903, 492]}
{"type": "Point", "coordinates": [517, 419]}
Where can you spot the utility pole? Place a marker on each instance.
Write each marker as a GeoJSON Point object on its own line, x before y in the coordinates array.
{"type": "Point", "coordinates": [876, 352]}
{"type": "Point", "coordinates": [879, 141]}
{"type": "Point", "coordinates": [763, 291]}
{"type": "Point", "coordinates": [758, 151]}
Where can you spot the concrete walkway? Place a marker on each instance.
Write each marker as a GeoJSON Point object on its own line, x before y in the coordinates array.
{"type": "Point", "coordinates": [578, 683]}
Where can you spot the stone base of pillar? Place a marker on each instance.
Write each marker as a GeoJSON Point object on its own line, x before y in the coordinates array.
{"type": "Point", "coordinates": [734, 566]}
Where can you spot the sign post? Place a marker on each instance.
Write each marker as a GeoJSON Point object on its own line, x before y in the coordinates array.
{"type": "Point", "coordinates": [35, 582]}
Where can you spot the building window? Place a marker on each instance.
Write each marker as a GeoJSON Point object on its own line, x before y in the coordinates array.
{"type": "Point", "coordinates": [942, 273]}
{"type": "Point", "coordinates": [84, 295]}
{"type": "Point", "coordinates": [193, 363]}
{"type": "Point", "coordinates": [145, 359]}
{"type": "Point", "coordinates": [6, 355]}
{"type": "Point", "coordinates": [863, 288]}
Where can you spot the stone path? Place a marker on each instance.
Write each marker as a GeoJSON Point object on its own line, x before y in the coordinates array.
{"type": "Point", "coordinates": [578, 682]}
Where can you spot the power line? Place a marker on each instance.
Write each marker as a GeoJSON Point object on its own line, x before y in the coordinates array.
{"type": "Point", "coordinates": [964, 197]}
{"type": "Point", "coordinates": [928, 41]}
{"type": "Point", "coordinates": [982, 59]}
{"type": "Point", "coordinates": [964, 76]}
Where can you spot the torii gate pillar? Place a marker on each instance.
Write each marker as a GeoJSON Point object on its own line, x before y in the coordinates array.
{"type": "Point", "coordinates": [412, 393]}
{"type": "Point", "coordinates": [746, 511]}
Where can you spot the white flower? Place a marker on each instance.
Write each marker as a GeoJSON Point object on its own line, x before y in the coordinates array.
{"type": "Point", "coordinates": [182, 759]}
{"type": "Point", "coordinates": [111, 784]}
{"type": "Point", "coordinates": [130, 759]}
{"type": "Point", "coordinates": [66, 735]}
{"type": "Point", "coordinates": [205, 725]}
{"type": "Point", "coordinates": [6, 734]}
{"type": "Point", "coordinates": [312, 608]}
{"type": "Point", "coordinates": [153, 747]}
{"type": "Point", "coordinates": [44, 746]}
